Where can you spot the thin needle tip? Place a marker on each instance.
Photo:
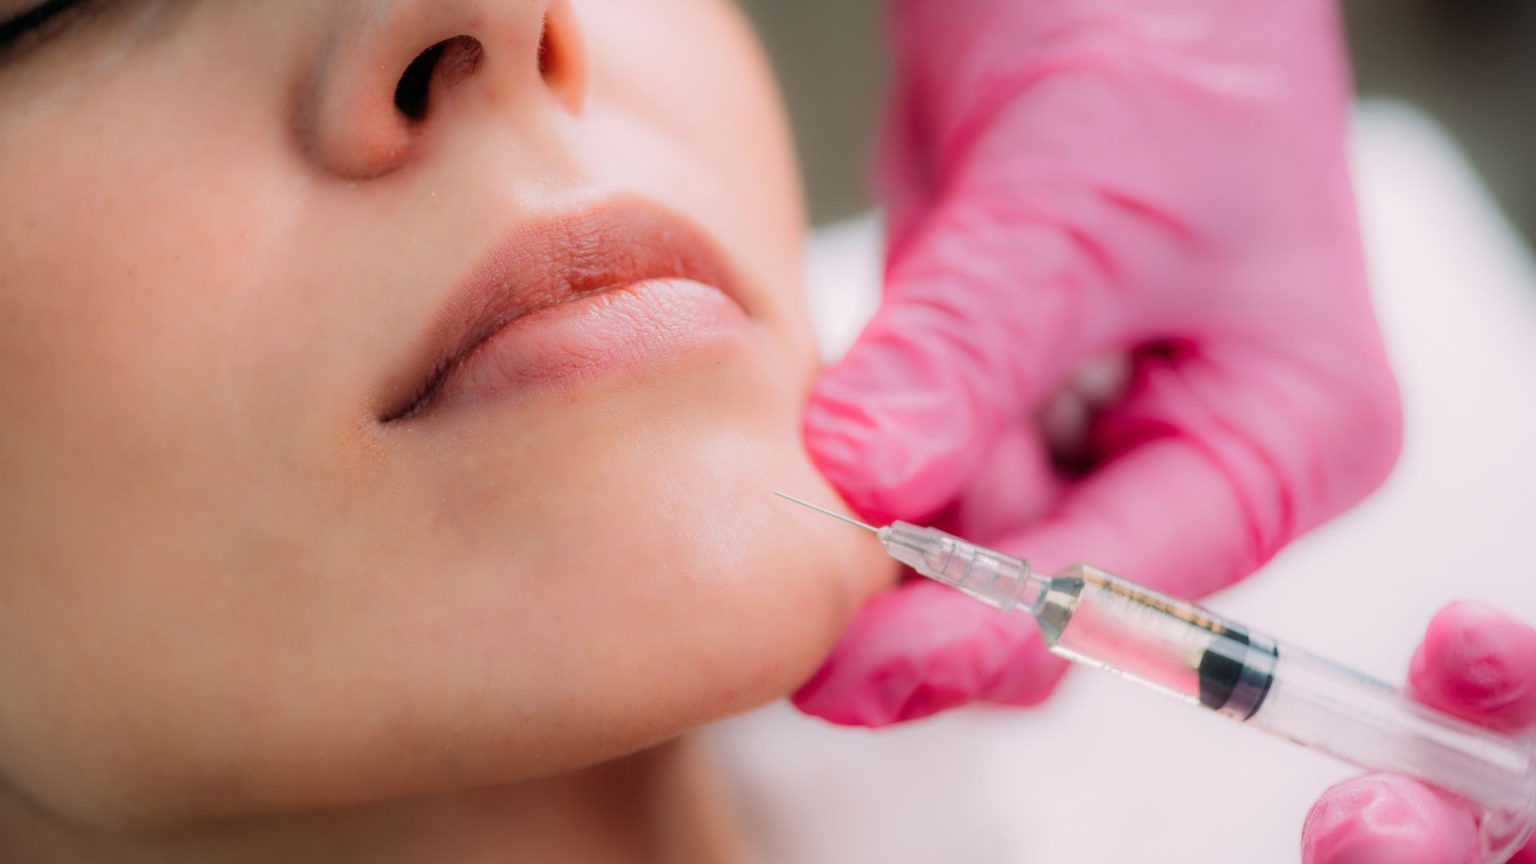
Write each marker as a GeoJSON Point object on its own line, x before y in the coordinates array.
{"type": "Point", "coordinates": [851, 521]}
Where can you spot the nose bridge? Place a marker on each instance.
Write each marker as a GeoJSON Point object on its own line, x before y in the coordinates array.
{"type": "Point", "coordinates": [393, 66]}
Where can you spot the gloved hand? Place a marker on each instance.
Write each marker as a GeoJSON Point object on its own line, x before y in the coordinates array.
{"type": "Point", "coordinates": [1073, 179]}
{"type": "Point", "coordinates": [1477, 663]}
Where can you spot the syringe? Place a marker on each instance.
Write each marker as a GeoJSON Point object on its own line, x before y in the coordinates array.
{"type": "Point", "coordinates": [1100, 620]}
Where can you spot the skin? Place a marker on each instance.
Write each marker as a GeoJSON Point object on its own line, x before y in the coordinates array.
{"type": "Point", "coordinates": [241, 617]}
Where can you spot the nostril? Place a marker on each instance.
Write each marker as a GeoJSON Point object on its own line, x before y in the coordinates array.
{"type": "Point", "coordinates": [561, 57]}
{"type": "Point", "coordinates": [439, 67]}
{"type": "Point", "coordinates": [411, 94]}
{"type": "Point", "coordinates": [546, 51]}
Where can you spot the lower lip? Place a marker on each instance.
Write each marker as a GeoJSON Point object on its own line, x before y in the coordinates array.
{"type": "Point", "coordinates": [594, 336]}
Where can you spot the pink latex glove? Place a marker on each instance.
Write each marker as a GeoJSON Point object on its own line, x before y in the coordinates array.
{"type": "Point", "coordinates": [1073, 179]}
{"type": "Point", "coordinates": [1477, 663]}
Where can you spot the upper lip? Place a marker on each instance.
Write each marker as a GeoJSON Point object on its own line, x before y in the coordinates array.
{"type": "Point", "coordinates": [553, 261]}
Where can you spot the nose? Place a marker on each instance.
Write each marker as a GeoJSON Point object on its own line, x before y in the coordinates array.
{"type": "Point", "coordinates": [397, 71]}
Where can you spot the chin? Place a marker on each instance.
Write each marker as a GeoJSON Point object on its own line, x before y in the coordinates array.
{"type": "Point", "coordinates": [609, 567]}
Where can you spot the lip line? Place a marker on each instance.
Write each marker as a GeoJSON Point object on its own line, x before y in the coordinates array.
{"type": "Point", "coordinates": [611, 246]}
{"type": "Point", "coordinates": [447, 368]}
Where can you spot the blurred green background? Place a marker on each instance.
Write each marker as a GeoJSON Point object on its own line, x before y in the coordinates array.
{"type": "Point", "coordinates": [1470, 63]}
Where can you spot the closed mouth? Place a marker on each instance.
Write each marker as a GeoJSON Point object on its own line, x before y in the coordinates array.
{"type": "Point", "coordinates": [551, 262]}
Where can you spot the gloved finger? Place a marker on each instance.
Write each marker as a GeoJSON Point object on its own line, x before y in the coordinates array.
{"type": "Point", "coordinates": [1040, 253]}
{"type": "Point", "coordinates": [1218, 457]}
{"type": "Point", "coordinates": [1385, 818]}
{"type": "Point", "coordinates": [1020, 486]}
{"type": "Point", "coordinates": [1164, 515]}
{"type": "Point", "coordinates": [1479, 663]}
{"type": "Point", "coordinates": [963, 346]}
{"type": "Point", "coordinates": [923, 648]}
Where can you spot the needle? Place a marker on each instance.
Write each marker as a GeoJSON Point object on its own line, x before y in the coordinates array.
{"type": "Point", "coordinates": [870, 528]}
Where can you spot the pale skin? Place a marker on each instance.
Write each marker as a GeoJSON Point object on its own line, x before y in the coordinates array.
{"type": "Point", "coordinates": [242, 617]}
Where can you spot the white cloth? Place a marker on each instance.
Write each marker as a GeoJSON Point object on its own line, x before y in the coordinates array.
{"type": "Point", "coordinates": [1107, 771]}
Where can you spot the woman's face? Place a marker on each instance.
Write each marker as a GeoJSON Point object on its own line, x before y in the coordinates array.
{"type": "Point", "coordinates": [292, 515]}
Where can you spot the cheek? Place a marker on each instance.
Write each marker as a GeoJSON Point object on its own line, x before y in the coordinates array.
{"type": "Point", "coordinates": [125, 260]}
{"type": "Point", "coordinates": [138, 335]}
{"type": "Point", "coordinates": [150, 464]}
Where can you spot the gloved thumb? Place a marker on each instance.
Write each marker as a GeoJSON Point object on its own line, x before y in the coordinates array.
{"type": "Point", "coordinates": [1382, 817]}
{"type": "Point", "coordinates": [1478, 663]}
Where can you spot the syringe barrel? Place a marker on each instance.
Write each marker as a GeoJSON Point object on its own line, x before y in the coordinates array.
{"type": "Point", "coordinates": [1174, 646]}
{"type": "Point", "coordinates": [1177, 647]}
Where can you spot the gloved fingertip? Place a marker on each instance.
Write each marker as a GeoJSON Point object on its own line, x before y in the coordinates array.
{"type": "Point", "coordinates": [922, 649]}
{"type": "Point", "coordinates": [1385, 818]}
{"type": "Point", "coordinates": [1479, 663]}
{"type": "Point", "coordinates": [885, 448]}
